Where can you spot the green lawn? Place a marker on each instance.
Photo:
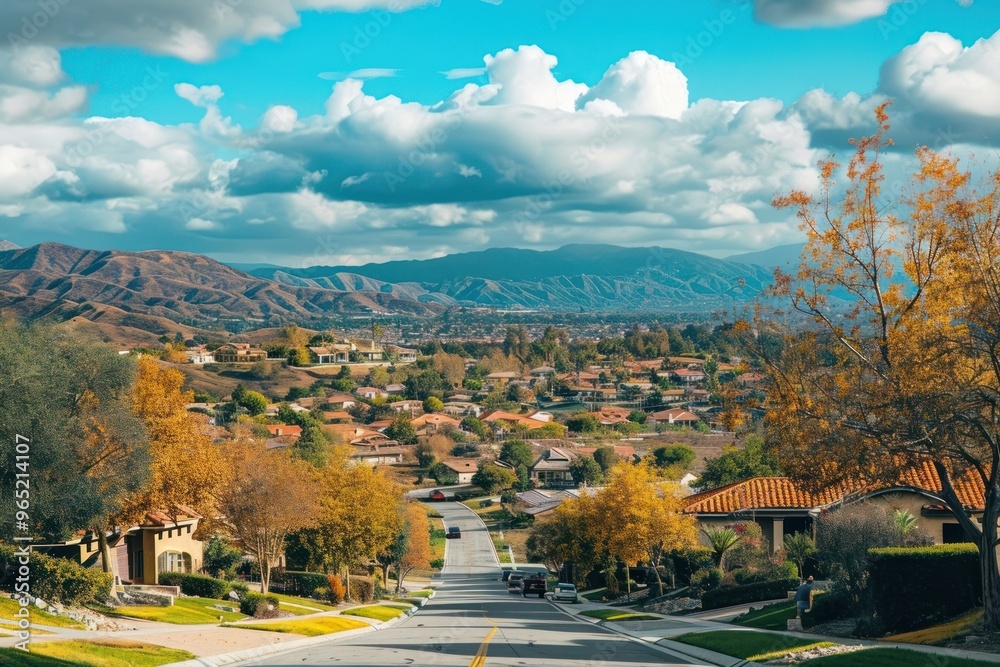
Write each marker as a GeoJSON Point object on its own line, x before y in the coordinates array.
{"type": "Point", "coordinates": [752, 646]}
{"type": "Point", "coordinates": [101, 653]}
{"type": "Point", "coordinates": [891, 657]}
{"type": "Point", "coordinates": [771, 617]}
{"type": "Point", "coordinates": [379, 612]}
{"type": "Point", "coordinates": [618, 615]}
{"type": "Point", "coordinates": [301, 606]}
{"type": "Point", "coordinates": [426, 593]}
{"type": "Point", "coordinates": [309, 627]}
{"type": "Point", "coordinates": [186, 611]}
{"type": "Point", "coordinates": [9, 606]}
{"type": "Point", "coordinates": [502, 554]}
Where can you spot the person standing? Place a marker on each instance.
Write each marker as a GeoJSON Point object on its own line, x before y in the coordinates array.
{"type": "Point", "coordinates": [803, 597]}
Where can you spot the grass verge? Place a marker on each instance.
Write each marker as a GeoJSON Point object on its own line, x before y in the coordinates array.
{"type": "Point", "coordinates": [891, 657]}
{"type": "Point", "coordinates": [308, 627]}
{"type": "Point", "coordinates": [9, 606]}
{"type": "Point", "coordinates": [186, 611]}
{"type": "Point", "coordinates": [618, 615]}
{"type": "Point", "coordinates": [98, 653]}
{"type": "Point", "coordinates": [426, 593]}
{"type": "Point", "coordinates": [301, 606]}
{"type": "Point", "coordinates": [939, 634]}
{"type": "Point", "coordinates": [378, 612]}
{"type": "Point", "coordinates": [748, 645]}
{"type": "Point", "coordinates": [772, 617]}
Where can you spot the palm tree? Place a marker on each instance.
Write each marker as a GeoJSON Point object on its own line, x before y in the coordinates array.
{"type": "Point", "coordinates": [721, 541]}
{"type": "Point", "coordinates": [905, 522]}
{"type": "Point", "coordinates": [799, 548]}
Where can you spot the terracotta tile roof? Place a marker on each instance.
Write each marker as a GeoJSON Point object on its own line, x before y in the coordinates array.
{"type": "Point", "coordinates": [764, 493]}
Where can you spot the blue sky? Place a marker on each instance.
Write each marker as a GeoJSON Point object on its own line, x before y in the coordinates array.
{"type": "Point", "coordinates": [265, 132]}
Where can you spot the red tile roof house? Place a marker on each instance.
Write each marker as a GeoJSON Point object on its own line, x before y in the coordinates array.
{"type": "Point", "coordinates": [163, 542]}
{"type": "Point", "coordinates": [278, 430]}
{"type": "Point", "coordinates": [687, 376]}
{"type": "Point", "coordinates": [782, 507]}
{"type": "Point", "coordinates": [674, 416]}
{"type": "Point", "coordinates": [432, 423]}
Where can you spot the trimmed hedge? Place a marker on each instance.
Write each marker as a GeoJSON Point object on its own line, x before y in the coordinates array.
{"type": "Point", "coordinates": [56, 579]}
{"type": "Point", "coordinates": [297, 583]}
{"type": "Point", "coordinates": [914, 587]}
{"type": "Point", "coordinates": [727, 596]}
{"type": "Point", "coordinates": [199, 585]}
{"type": "Point", "coordinates": [255, 605]}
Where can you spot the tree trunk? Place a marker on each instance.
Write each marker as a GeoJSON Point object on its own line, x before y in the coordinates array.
{"type": "Point", "coordinates": [108, 564]}
{"type": "Point", "coordinates": [265, 573]}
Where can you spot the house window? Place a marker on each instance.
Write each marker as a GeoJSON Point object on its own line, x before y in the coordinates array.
{"type": "Point", "coordinates": [174, 561]}
{"type": "Point", "coordinates": [953, 533]}
{"type": "Point", "coordinates": [135, 567]}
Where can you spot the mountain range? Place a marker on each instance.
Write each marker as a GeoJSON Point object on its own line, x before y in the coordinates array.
{"type": "Point", "coordinates": [149, 290]}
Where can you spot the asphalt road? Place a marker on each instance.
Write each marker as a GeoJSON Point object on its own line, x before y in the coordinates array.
{"type": "Point", "coordinates": [472, 615]}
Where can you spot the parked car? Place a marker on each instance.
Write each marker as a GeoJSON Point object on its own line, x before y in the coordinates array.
{"type": "Point", "coordinates": [454, 532]}
{"type": "Point", "coordinates": [565, 593]}
{"type": "Point", "coordinates": [514, 582]}
{"type": "Point", "coordinates": [436, 494]}
{"type": "Point", "coordinates": [533, 585]}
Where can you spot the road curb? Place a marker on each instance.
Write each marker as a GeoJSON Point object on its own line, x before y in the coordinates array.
{"type": "Point", "coordinates": [271, 649]}
{"type": "Point", "coordinates": [718, 659]}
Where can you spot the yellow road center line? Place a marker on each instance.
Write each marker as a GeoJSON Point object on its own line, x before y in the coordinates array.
{"type": "Point", "coordinates": [480, 659]}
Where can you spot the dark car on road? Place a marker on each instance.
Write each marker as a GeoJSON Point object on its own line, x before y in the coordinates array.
{"type": "Point", "coordinates": [514, 582]}
{"type": "Point", "coordinates": [454, 532]}
{"type": "Point", "coordinates": [533, 585]}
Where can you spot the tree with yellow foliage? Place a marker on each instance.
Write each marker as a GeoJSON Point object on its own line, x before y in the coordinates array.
{"type": "Point", "coordinates": [416, 547]}
{"type": "Point", "coordinates": [359, 515]}
{"type": "Point", "coordinates": [909, 371]}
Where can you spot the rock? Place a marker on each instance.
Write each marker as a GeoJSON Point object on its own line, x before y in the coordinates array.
{"type": "Point", "coordinates": [795, 624]}
{"type": "Point", "coordinates": [233, 596]}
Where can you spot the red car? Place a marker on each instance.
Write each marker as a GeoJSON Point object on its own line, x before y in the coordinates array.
{"type": "Point", "coordinates": [437, 494]}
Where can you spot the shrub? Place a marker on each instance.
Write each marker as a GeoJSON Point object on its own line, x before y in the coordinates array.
{"type": "Point", "coordinates": [256, 605]}
{"type": "Point", "coordinates": [437, 563]}
{"type": "Point", "coordinates": [486, 503]}
{"type": "Point", "coordinates": [321, 593]}
{"type": "Point", "coordinates": [240, 587]}
{"type": "Point", "coordinates": [337, 590]}
{"type": "Point", "coordinates": [688, 561]}
{"type": "Point", "coordinates": [915, 586]}
{"type": "Point", "coordinates": [362, 589]}
{"type": "Point", "coordinates": [727, 596]}
{"type": "Point", "coordinates": [706, 579]}
{"type": "Point", "coordinates": [826, 607]}
{"type": "Point", "coordinates": [299, 583]}
{"type": "Point", "coordinates": [57, 579]}
{"type": "Point", "coordinates": [196, 584]}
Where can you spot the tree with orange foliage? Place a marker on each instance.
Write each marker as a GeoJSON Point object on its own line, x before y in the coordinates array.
{"type": "Point", "coordinates": [268, 495]}
{"type": "Point", "coordinates": [416, 547]}
{"type": "Point", "coordinates": [909, 372]}
{"type": "Point", "coordinates": [186, 467]}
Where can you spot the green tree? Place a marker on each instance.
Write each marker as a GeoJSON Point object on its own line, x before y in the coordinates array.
{"type": "Point", "coordinates": [479, 428]}
{"type": "Point", "coordinates": [493, 478]}
{"type": "Point", "coordinates": [799, 548]}
{"type": "Point", "coordinates": [584, 423]}
{"type": "Point", "coordinates": [585, 470]}
{"type": "Point", "coordinates": [637, 416]}
{"type": "Point", "coordinates": [674, 455]}
{"type": "Point", "coordinates": [433, 404]}
{"type": "Point", "coordinates": [401, 430]}
{"type": "Point", "coordinates": [517, 453]}
{"type": "Point", "coordinates": [221, 559]}
{"type": "Point", "coordinates": [606, 458]}
{"type": "Point", "coordinates": [736, 465]}
{"type": "Point", "coordinates": [252, 401]}
{"type": "Point", "coordinates": [721, 540]}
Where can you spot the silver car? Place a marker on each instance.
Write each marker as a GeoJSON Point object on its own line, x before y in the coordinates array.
{"type": "Point", "coordinates": [565, 593]}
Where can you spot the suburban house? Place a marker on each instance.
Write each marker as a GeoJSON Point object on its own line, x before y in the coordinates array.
{"type": "Point", "coordinates": [371, 392]}
{"type": "Point", "coordinates": [410, 406]}
{"type": "Point", "coordinates": [501, 417]}
{"type": "Point", "coordinates": [609, 417]}
{"type": "Point", "coordinates": [687, 375]}
{"type": "Point", "coordinates": [367, 350]}
{"type": "Point", "coordinates": [402, 354]}
{"type": "Point", "coordinates": [463, 408]}
{"type": "Point", "coordinates": [539, 502]}
{"type": "Point", "coordinates": [464, 468]}
{"type": "Point", "coordinates": [552, 468]}
{"type": "Point", "coordinates": [376, 454]}
{"type": "Point", "coordinates": [239, 353]}
{"type": "Point", "coordinates": [337, 416]}
{"type": "Point", "coordinates": [343, 401]}
{"type": "Point", "coordinates": [163, 542]}
{"type": "Point", "coordinates": [199, 355]}
{"type": "Point", "coordinates": [781, 507]}
{"type": "Point", "coordinates": [395, 388]}
{"type": "Point", "coordinates": [333, 353]}
{"type": "Point", "coordinates": [279, 430]}
{"type": "Point", "coordinates": [542, 371]}
{"type": "Point", "coordinates": [433, 422]}
{"type": "Point", "coordinates": [673, 416]}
